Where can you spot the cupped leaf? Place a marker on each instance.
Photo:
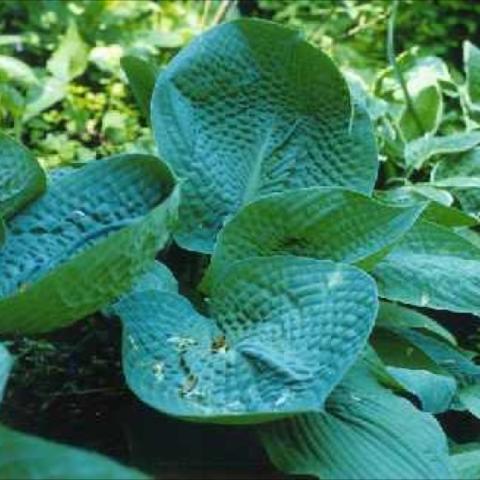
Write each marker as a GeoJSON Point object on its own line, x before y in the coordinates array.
{"type": "Point", "coordinates": [432, 267]}
{"type": "Point", "coordinates": [282, 332]}
{"type": "Point", "coordinates": [21, 177]}
{"type": "Point", "coordinates": [366, 433]}
{"type": "Point", "coordinates": [418, 151]}
{"type": "Point", "coordinates": [320, 222]}
{"type": "Point", "coordinates": [25, 457]}
{"type": "Point", "coordinates": [84, 242]}
{"type": "Point", "coordinates": [249, 109]}
{"type": "Point", "coordinates": [141, 77]}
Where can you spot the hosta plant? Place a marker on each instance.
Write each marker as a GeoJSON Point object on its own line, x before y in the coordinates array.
{"type": "Point", "coordinates": [301, 315]}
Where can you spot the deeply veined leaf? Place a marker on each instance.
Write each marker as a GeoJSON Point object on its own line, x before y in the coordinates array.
{"type": "Point", "coordinates": [27, 457]}
{"type": "Point", "coordinates": [366, 433]}
{"type": "Point", "coordinates": [471, 59]}
{"type": "Point", "coordinates": [5, 365]}
{"type": "Point", "coordinates": [391, 315]}
{"type": "Point", "coordinates": [281, 333]}
{"type": "Point", "coordinates": [321, 222]}
{"type": "Point", "coordinates": [467, 166]}
{"type": "Point", "coordinates": [250, 109]}
{"type": "Point", "coordinates": [466, 462]}
{"type": "Point", "coordinates": [141, 77]}
{"type": "Point", "coordinates": [418, 151]}
{"type": "Point", "coordinates": [435, 392]}
{"type": "Point", "coordinates": [21, 177]}
{"type": "Point", "coordinates": [84, 242]}
{"type": "Point", "coordinates": [432, 267]}
{"type": "Point", "coordinates": [428, 104]}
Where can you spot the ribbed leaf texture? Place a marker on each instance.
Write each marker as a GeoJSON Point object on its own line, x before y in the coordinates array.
{"type": "Point", "coordinates": [281, 334]}
{"type": "Point", "coordinates": [84, 242]}
{"type": "Point", "coordinates": [248, 109]}
{"type": "Point", "coordinates": [367, 433]}
{"type": "Point", "coordinates": [321, 222]}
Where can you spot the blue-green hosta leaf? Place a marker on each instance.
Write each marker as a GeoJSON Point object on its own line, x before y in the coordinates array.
{"type": "Point", "coordinates": [418, 151]}
{"type": "Point", "coordinates": [432, 267]}
{"type": "Point", "coordinates": [21, 177]}
{"type": "Point", "coordinates": [320, 222]}
{"type": "Point", "coordinates": [447, 357]}
{"type": "Point", "coordinates": [466, 462]}
{"type": "Point", "coordinates": [470, 397]}
{"type": "Point", "coordinates": [141, 77]}
{"type": "Point", "coordinates": [467, 166]}
{"type": "Point", "coordinates": [250, 109]}
{"type": "Point", "coordinates": [5, 365]}
{"type": "Point", "coordinates": [435, 392]}
{"type": "Point", "coordinates": [84, 242]}
{"type": "Point", "coordinates": [366, 433]}
{"type": "Point", "coordinates": [281, 333]}
{"type": "Point", "coordinates": [25, 457]}
{"type": "Point", "coordinates": [428, 104]}
{"type": "Point", "coordinates": [471, 58]}
{"type": "Point", "coordinates": [391, 315]}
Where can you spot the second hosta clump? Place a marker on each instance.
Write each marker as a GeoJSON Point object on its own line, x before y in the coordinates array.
{"type": "Point", "coordinates": [276, 166]}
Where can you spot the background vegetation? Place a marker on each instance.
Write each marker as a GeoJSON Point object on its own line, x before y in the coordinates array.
{"type": "Point", "coordinates": [64, 94]}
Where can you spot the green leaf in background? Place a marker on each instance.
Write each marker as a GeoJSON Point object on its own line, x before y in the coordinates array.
{"type": "Point", "coordinates": [466, 462]}
{"type": "Point", "coordinates": [366, 433]}
{"type": "Point", "coordinates": [471, 59]}
{"type": "Point", "coordinates": [281, 333]}
{"type": "Point", "coordinates": [432, 267]}
{"type": "Point", "coordinates": [467, 166]}
{"type": "Point", "coordinates": [25, 457]}
{"type": "Point", "coordinates": [84, 242]}
{"type": "Point", "coordinates": [16, 71]}
{"type": "Point", "coordinates": [320, 222]}
{"type": "Point", "coordinates": [418, 151]}
{"type": "Point", "coordinates": [70, 59]}
{"type": "Point", "coordinates": [141, 76]}
{"type": "Point", "coordinates": [21, 177]}
{"type": "Point", "coordinates": [249, 109]}
{"type": "Point", "coordinates": [438, 210]}
{"type": "Point", "coordinates": [428, 104]}
{"type": "Point", "coordinates": [44, 96]}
